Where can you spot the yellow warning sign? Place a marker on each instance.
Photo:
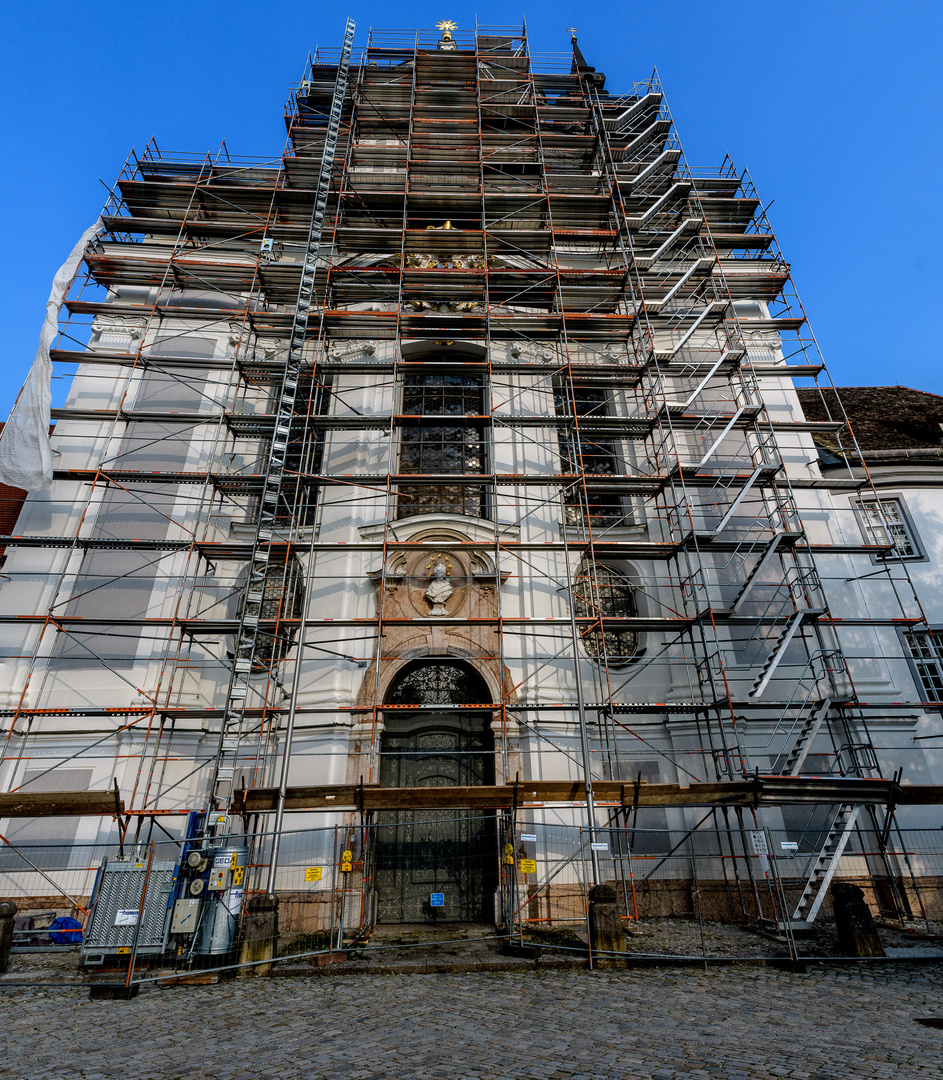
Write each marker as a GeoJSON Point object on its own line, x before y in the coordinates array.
{"type": "Point", "coordinates": [528, 866]}
{"type": "Point", "coordinates": [508, 849]}
{"type": "Point", "coordinates": [313, 873]}
{"type": "Point", "coordinates": [239, 872]}
{"type": "Point", "coordinates": [123, 951]}
{"type": "Point", "coordinates": [346, 867]}
{"type": "Point", "coordinates": [347, 856]}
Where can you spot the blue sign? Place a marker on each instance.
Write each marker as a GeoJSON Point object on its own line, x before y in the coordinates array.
{"type": "Point", "coordinates": [437, 899]}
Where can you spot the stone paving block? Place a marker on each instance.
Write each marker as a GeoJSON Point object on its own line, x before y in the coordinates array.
{"type": "Point", "coordinates": [747, 1024]}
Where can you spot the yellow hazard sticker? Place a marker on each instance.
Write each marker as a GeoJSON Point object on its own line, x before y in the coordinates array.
{"type": "Point", "coordinates": [313, 873]}
{"type": "Point", "coordinates": [123, 951]}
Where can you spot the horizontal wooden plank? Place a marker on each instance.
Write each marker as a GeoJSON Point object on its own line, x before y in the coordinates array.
{"type": "Point", "coordinates": [920, 795]}
{"type": "Point", "coordinates": [57, 803]}
{"type": "Point", "coordinates": [768, 791]}
{"type": "Point", "coordinates": [765, 791]}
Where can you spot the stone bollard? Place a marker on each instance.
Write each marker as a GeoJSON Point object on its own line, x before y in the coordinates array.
{"type": "Point", "coordinates": [857, 934]}
{"type": "Point", "coordinates": [605, 925]}
{"type": "Point", "coordinates": [259, 935]}
{"type": "Point", "coordinates": [7, 911]}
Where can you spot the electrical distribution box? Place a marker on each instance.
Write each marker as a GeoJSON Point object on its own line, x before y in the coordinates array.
{"type": "Point", "coordinates": [186, 916]}
{"type": "Point", "coordinates": [221, 874]}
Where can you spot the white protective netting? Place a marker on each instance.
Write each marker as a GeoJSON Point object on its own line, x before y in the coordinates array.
{"type": "Point", "coordinates": [25, 449]}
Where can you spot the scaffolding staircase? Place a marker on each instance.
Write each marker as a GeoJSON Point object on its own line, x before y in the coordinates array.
{"type": "Point", "coordinates": [679, 261]}
{"type": "Point", "coordinates": [824, 865]}
{"type": "Point", "coordinates": [811, 725]}
{"type": "Point", "coordinates": [772, 548]}
{"type": "Point", "coordinates": [778, 651]}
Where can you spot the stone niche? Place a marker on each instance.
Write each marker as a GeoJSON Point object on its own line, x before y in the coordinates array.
{"type": "Point", "coordinates": [446, 579]}
{"type": "Point", "coordinates": [441, 583]}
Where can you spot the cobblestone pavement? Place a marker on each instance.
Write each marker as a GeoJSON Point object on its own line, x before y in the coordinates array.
{"type": "Point", "coordinates": [734, 1023]}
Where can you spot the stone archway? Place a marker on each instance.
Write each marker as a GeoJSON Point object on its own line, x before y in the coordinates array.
{"type": "Point", "coordinates": [449, 629]}
{"type": "Point", "coordinates": [412, 633]}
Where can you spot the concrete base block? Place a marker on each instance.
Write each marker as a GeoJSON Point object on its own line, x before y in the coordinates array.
{"type": "Point", "coordinates": [857, 932]}
{"type": "Point", "coordinates": [605, 925]}
{"type": "Point", "coordinates": [260, 936]}
{"type": "Point", "coordinates": [326, 959]}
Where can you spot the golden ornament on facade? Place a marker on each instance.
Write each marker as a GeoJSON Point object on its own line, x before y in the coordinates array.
{"type": "Point", "coordinates": [439, 557]}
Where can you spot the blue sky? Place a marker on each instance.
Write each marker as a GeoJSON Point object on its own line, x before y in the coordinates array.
{"type": "Point", "coordinates": [835, 107]}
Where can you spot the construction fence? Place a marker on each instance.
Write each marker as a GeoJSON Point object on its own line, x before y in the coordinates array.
{"type": "Point", "coordinates": [710, 893]}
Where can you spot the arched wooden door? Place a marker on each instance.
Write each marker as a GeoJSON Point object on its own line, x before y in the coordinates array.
{"type": "Point", "coordinates": [428, 742]}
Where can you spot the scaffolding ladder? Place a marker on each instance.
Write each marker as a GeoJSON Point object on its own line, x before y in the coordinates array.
{"type": "Point", "coordinates": [237, 733]}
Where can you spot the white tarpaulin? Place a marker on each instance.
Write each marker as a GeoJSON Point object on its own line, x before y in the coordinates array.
{"type": "Point", "coordinates": [25, 450]}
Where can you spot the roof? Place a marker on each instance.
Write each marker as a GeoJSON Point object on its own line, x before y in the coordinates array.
{"type": "Point", "coordinates": [884, 419]}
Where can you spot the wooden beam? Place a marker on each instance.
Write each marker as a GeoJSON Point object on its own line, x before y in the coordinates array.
{"type": "Point", "coordinates": [58, 804]}
{"type": "Point", "coordinates": [919, 795]}
{"type": "Point", "coordinates": [765, 791]}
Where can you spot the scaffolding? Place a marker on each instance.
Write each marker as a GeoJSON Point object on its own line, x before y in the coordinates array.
{"type": "Point", "coordinates": [482, 315]}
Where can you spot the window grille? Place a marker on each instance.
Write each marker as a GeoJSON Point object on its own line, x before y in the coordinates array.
{"type": "Point", "coordinates": [439, 683]}
{"type": "Point", "coordinates": [591, 455]}
{"type": "Point", "coordinates": [926, 651]}
{"type": "Point", "coordinates": [885, 522]}
{"type": "Point", "coordinates": [282, 598]}
{"type": "Point", "coordinates": [431, 449]}
{"type": "Point", "coordinates": [606, 594]}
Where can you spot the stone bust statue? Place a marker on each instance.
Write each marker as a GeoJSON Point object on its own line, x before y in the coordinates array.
{"type": "Point", "coordinates": [439, 590]}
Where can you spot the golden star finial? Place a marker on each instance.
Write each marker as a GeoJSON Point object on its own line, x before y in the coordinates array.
{"type": "Point", "coordinates": [446, 24]}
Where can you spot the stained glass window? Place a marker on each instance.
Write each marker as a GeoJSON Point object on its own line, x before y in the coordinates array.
{"type": "Point", "coordinates": [606, 594]}
{"type": "Point", "coordinates": [437, 449]}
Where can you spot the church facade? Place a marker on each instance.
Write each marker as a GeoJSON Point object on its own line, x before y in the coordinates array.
{"type": "Point", "coordinates": [461, 447]}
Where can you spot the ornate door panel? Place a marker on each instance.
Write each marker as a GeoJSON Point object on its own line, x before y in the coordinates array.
{"type": "Point", "coordinates": [421, 852]}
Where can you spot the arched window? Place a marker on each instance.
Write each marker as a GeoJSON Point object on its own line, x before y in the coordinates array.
{"type": "Point", "coordinates": [605, 593]}
{"type": "Point", "coordinates": [282, 598]}
{"type": "Point", "coordinates": [431, 737]}
{"type": "Point", "coordinates": [438, 682]}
